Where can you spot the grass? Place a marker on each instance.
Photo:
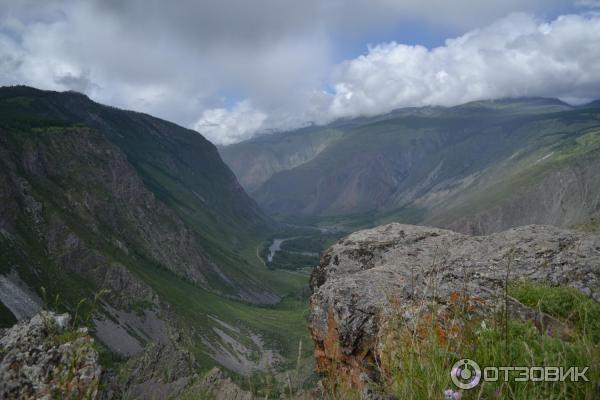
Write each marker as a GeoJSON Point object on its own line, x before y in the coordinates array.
{"type": "Point", "coordinates": [565, 303]}
{"type": "Point", "coordinates": [304, 244]}
{"type": "Point", "coordinates": [293, 261]}
{"type": "Point", "coordinates": [591, 225]}
{"type": "Point", "coordinates": [197, 394]}
{"type": "Point", "coordinates": [418, 356]}
{"type": "Point", "coordinates": [282, 325]}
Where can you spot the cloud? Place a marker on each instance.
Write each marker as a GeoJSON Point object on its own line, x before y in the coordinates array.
{"type": "Point", "coordinates": [230, 126]}
{"type": "Point", "coordinates": [212, 65]}
{"type": "Point", "coordinates": [516, 56]}
{"type": "Point", "coordinates": [588, 3]}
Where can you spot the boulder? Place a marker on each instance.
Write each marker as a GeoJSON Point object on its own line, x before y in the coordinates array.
{"type": "Point", "coordinates": [362, 278]}
{"type": "Point", "coordinates": [41, 359]}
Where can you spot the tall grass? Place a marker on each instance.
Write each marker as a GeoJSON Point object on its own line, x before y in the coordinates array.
{"type": "Point", "coordinates": [422, 338]}
{"type": "Point", "coordinates": [417, 353]}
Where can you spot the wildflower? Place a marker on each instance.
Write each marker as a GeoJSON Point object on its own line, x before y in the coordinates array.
{"type": "Point", "coordinates": [450, 394]}
{"type": "Point", "coordinates": [456, 371]}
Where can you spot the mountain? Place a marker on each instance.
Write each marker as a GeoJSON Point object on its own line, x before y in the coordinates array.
{"type": "Point", "coordinates": [479, 167]}
{"type": "Point", "coordinates": [93, 197]}
{"type": "Point", "coordinates": [140, 181]}
{"type": "Point", "coordinates": [256, 160]}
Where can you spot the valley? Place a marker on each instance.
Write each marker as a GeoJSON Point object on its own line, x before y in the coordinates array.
{"type": "Point", "coordinates": [137, 228]}
{"type": "Point", "coordinates": [300, 200]}
{"type": "Point", "coordinates": [97, 198]}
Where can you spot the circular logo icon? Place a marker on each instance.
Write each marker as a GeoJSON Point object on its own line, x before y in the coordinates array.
{"type": "Point", "coordinates": [465, 374]}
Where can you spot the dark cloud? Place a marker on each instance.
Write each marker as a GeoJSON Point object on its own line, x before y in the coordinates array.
{"type": "Point", "coordinates": [79, 83]}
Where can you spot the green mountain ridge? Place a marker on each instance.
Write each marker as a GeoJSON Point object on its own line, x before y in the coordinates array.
{"type": "Point", "coordinates": [255, 160]}
{"type": "Point", "coordinates": [441, 166]}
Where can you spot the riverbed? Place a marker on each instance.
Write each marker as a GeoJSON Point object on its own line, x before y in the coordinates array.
{"type": "Point", "coordinates": [276, 246]}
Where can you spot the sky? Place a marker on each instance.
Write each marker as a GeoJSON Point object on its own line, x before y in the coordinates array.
{"type": "Point", "coordinates": [234, 69]}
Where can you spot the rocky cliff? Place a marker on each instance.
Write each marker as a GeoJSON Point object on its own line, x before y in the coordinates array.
{"type": "Point", "coordinates": [370, 274]}
{"type": "Point", "coordinates": [76, 173]}
{"type": "Point", "coordinates": [91, 178]}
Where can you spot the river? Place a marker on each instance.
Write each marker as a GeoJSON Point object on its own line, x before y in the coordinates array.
{"type": "Point", "coordinates": [276, 246]}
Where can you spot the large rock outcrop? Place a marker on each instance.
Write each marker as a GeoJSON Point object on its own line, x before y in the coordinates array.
{"type": "Point", "coordinates": [220, 387]}
{"type": "Point", "coordinates": [40, 360]}
{"type": "Point", "coordinates": [363, 276]}
{"type": "Point", "coordinates": [44, 358]}
{"type": "Point", "coordinates": [161, 371]}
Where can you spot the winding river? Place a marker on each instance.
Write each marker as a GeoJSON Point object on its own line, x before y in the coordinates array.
{"type": "Point", "coordinates": [276, 246]}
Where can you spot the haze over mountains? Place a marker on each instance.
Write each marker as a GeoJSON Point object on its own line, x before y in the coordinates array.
{"type": "Point", "coordinates": [480, 167]}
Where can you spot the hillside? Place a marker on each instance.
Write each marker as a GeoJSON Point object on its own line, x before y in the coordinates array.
{"type": "Point", "coordinates": [256, 160]}
{"type": "Point", "coordinates": [95, 198]}
{"type": "Point", "coordinates": [474, 167]}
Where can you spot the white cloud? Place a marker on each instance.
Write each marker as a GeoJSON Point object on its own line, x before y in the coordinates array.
{"type": "Point", "coordinates": [173, 62]}
{"type": "Point", "coordinates": [515, 56]}
{"type": "Point", "coordinates": [224, 126]}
